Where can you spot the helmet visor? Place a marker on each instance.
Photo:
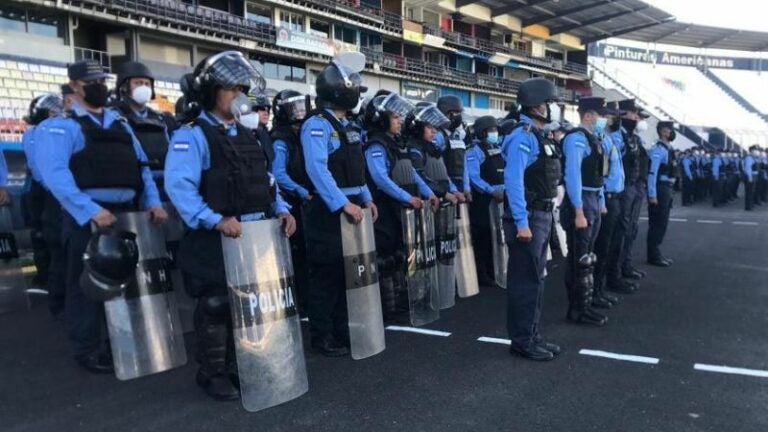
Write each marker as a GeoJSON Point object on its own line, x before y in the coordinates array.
{"type": "Point", "coordinates": [295, 107]}
{"type": "Point", "coordinates": [230, 69]}
{"type": "Point", "coordinates": [50, 102]}
{"type": "Point", "coordinates": [393, 103]}
{"type": "Point", "coordinates": [431, 115]}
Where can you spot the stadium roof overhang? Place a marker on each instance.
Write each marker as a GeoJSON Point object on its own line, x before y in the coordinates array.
{"type": "Point", "coordinates": [594, 20]}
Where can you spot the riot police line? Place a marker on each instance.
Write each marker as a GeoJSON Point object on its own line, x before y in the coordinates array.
{"type": "Point", "coordinates": [352, 211]}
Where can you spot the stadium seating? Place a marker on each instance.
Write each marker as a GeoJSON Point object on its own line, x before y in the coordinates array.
{"type": "Point", "coordinates": [752, 85]}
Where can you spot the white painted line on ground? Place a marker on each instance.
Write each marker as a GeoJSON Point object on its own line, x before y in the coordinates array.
{"type": "Point", "coordinates": [624, 357]}
{"type": "Point", "coordinates": [731, 370]}
{"type": "Point", "coordinates": [745, 223]}
{"type": "Point", "coordinates": [643, 217]}
{"type": "Point", "coordinates": [494, 340]}
{"type": "Point", "coordinates": [305, 319]}
{"type": "Point", "coordinates": [707, 221]}
{"type": "Point", "coordinates": [678, 220]}
{"type": "Point", "coordinates": [37, 291]}
{"type": "Point", "coordinates": [419, 330]}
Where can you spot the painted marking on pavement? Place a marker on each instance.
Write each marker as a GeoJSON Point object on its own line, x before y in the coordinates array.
{"type": "Point", "coordinates": [624, 357]}
{"type": "Point", "coordinates": [708, 221]}
{"type": "Point", "coordinates": [419, 330]}
{"type": "Point", "coordinates": [495, 340]}
{"type": "Point", "coordinates": [305, 319]}
{"type": "Point", "coordinates": [745, 223]}
{"type": "Point", "coordinates": [678, 220]}
{"type": "Point", "coordinates": [643, 217]}
{"type": "Point", "coordinates": [731, 370]}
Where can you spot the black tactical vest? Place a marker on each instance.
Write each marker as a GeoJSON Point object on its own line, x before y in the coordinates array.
{"type": "Point", "coordinates": [631, 159]}
{"type": "Point", "coordinates": [347, 163]}
{"type": "Point", "coordinates": [595, 166]}
{"type": "Point", "coordinates": [544, 175]}
{"type": "Point", "coordinates": [238, 181]}
{"type": "Point", "coordinates": [399, 161]}
{"type": "Point", "coordinates": [669, 168]}
{"type": "Point", "coordinates": [151, 133]}
{"type": "Point", "coordinates": [434, 168]}
{"type": "Point", "coordinates": [492, 169]}
{"type": "Point", "coordinates": [108, 159]}
{"type": "Point", "coordinates": [454, 152]}
{"type": "Point", "coordinates": [645, 163]}
{"type": "Point", "coordinates": [295, 164]}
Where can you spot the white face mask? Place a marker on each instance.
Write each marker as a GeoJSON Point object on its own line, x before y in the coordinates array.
{"type": "Point", "coordinates": [358, 107]}
{"type": "Point", "coordinates": [554, 112]}
{"type": "Point", "coordinates": [250, 121]}
{"type": "Point", "coordinates": [141, 95]}
{"type": "Point", "coordinates": [642, 126]}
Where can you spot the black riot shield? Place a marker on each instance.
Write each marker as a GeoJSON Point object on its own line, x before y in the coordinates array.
{"type": "Point", "coordinates": [144, 326]}
{"type": "Point", "coordinates": [13, 296]}
{"type": "Point", "coordinates": [265, 320]}
{"type": "Point", "coordinates": [467, 284]}
{"type": "Point", "coordinates": [499, 244]}
{"type": "Point", "coordinates": [445, 238]}
{"type": "Point", "coordinates": [366, 324]}
{"type": "Point", "coordinates": [173, 229]}
{"type": "Point", "coordinates": [420, 277]}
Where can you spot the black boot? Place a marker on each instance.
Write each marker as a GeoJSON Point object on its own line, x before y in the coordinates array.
{"type": "Point", "coordinates": [212, 336]}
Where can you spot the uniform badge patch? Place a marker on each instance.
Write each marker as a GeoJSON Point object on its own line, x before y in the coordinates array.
{"type": "Point", "coordinates": [181, 146]}
{"type": "Point", "coordinates": [316, 132]}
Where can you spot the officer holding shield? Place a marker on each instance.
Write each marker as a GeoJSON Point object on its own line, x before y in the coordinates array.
{"type": "Point", "coordinates": [217, 178]}
{"type": "Point", "coordinates": [92, 163]}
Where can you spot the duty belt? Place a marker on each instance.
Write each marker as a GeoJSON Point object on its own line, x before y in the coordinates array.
{"type": "Point", "coordinates": [542, 205]}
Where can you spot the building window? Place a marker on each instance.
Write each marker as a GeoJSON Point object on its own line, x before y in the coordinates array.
{"type": "Point", "coordinates": [283, 70]}
{"type": "Point", "coordinates": [319, 28]}
{"type": "Point", "coordinates": [259, 13]}
{"type": "Point", "coordinates": [345, 34]}
{"type": "Point", "coordinates": [31, 21]}
{"type": "Point", "coordinates": [292, 21]}
{"type": "Point", "coordinates": [13, 19]}
{"type": "Point", "coordinates": [431, 18]}
{"type": "Point", "coordinates": [500, 104]}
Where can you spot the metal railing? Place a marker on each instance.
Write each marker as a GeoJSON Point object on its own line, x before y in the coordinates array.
{"type": "Point", "coordinates": [91, 54]}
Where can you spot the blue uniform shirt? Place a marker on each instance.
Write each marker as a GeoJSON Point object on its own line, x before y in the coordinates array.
{"type": "Point", "coordinates": [747, 165]}
{"type": "Point", "coordinates": [318, 140]}
{"type": "Point", "coordinates": [187, 158]}
{"type": "Point", "coordinates": [475, 158]}
{"type": "Point", "coordinates": [520, 149]}
{"type": "Point", "coordinates": [659, 155]}
{"type": "Point", "coordinates": [614, 181]}
{"type": "Point", "coordinates": [378, 168]}
{"type": "Point", "coordinates": [687, 167]}
{"type": "Point", "coordinates": [717, 162]}
{"type": "Point", "coordinates": [576, 148]}
{"type": "Point", "coordinates": [57, 139]}
{"type": "Point", "coordinates": [3, 171]}
{"type": "Point", "coordinates": [28, 144]}
{"type": "Point", "coordinates": [280, 170]}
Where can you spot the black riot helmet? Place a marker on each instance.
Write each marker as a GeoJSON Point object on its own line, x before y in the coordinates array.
{"type": "Point", "coordinates": [42, 107]}
{"type": "Point", "coordinates": [536, 91]}
{"type": "Point", "coordinates": [130, 70]}
{"type": "Point", "coordinates": [450, 103]}
{"type": "Point", "coordinates": [424, 114]}
{"type": "Point", "coordinates": [259, 99]}
{"type": "Point", "coordinates": [381, 108]}
{"type": "Point", "coordinates": [289, 107]}
{"type": "Point", "coordinates": [482, 124]}
{"type": "Point", "coordinates": [227, 69]}
{"type": "Point", "coordinates": [339, 84]}
{"type": "Point", "coordinates": [109, 263]}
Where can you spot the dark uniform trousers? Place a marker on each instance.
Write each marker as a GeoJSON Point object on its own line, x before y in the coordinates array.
{"type": "Point", "coordinates": [688, 190]}
{"type": "Point", "coordinates": [480, 225]}
{"type": "Point", "coordinates": [525, 277]}
{"type": "Point", "coordinates": [605, 238]}
{"type": "Point", "coordinates": [299, 252]}
{"type": "Point", "coordinates": [327, 305]}
{"type": "Point", "coordinates": [580, 242]}
{"type": "Point", "coordinates": [763, 182]}
{"type": "Point", "coordinates": [718, 191]}
{"type": "Point", "coordinates": [33, 205]}
{"type": "Point", "coordinates": [390, 254]}
{"type": "Point", "coordinates": [658, 219]}
{"type": "Point", "coordinates": [625, 231]}
{"type": "Point", "coordinates": [52, 233]}
{"type": "Point", "coordinates": [749, 193]}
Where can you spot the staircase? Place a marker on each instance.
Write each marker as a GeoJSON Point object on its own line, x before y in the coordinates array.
{"type": "Point", "coordinates": [731, 92]}
{"type": "Point", "coordinates": [661, 113]}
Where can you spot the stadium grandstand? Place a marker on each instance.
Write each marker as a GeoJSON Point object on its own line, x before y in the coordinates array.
{"type": "Point", "coordinates": [479, 50]}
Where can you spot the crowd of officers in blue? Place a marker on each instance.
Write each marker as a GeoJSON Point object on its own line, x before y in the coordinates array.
{"type": "Point", "coordinates": [92, 154]}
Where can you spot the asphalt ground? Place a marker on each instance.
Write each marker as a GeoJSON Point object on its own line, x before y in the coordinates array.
{"type": "Point", "coordinates": [708, 308]}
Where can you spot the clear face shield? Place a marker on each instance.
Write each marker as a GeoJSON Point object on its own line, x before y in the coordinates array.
{"type": "Point", "coordinates": [231, 69]}
{"type": "Point", "coordinates": [393, 104]}
{"type": "Point", "coordinates": [432, 116]}
{"type": "Point", "coordinates": [295, 107]}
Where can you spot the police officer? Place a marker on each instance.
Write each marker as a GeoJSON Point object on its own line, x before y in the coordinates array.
{"type": "Point", "coordinates": [394, 185]}
{"type": "Point", "coordinates": [290, 108]}
{"type": "Point", "coordinates": [43, 210]}
{"type": "Point", "coordinates": [660, 194]}
{"type": "Point", "coordinates": [485, 168]}
{"type": "Point", "coordinates": [68, 96]}
{"type": "Point", "coordinates": [613, 188]}
{"type": "Point", "coordinates": [718, 180]}
{"type": "Point", "coordinates": [333, 157]}
{"type": "Point", "coordinates": [585, 169]}
{"type": "Point", "coordinates": [635, 160]}
{"type": "Point", "coordinates": [734, 169]}
{"type": "Point", "coordinates": [134, 90]}
{"type": "Point", "coordinates": [688, 178]}
{"type": "Point", "coordinates": [750, 171]}
{"type": "Point", "coordinates": [262, 106]}
{"type": "Point", "coordinates": [451, 142]}
{"type": "Point", "coordinates": [531, 176]}
{"type": "Point", "coordinates": [91, 162]}
{"type": "Point", "coordinates": [5, 197]}
{"type": "Point", "coordinates": [763, 176]}
{"type": "Point", "coordinates": [217, 177]}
